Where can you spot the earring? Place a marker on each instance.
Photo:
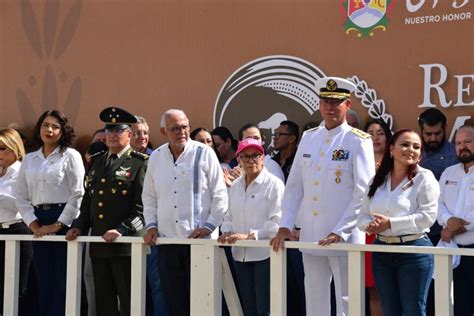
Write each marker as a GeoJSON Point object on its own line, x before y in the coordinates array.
{"type": "Point", "coordinates": [391, 155]}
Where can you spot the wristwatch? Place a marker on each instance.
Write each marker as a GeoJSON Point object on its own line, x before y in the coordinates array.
{"type": "Point", "coordinates": [58, 224]}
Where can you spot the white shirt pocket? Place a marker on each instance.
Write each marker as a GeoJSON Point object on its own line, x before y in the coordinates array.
{"type": "Point", "coordinates": [54, 173]}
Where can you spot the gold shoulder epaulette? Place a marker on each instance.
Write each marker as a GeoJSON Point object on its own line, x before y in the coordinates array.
{"type": "Point", "coordinates": [138, 155]}
{"type": "Point", "coordinates": [360, 133]}
{"type": "Point", "coordinates": [311, 129]}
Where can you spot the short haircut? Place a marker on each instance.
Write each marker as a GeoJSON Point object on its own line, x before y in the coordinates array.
{"type": "Point", "coordinates": [292, 128]}
{"type": "Point", "coordinates": [12, 140]}
{"type": "Point", "coordinates": [431, 117]}
{"type": "Point", "coordinates": [246, 127]}
{"type": "Point", "coordinates": [168, 113]}
{"type": "Point", "coordinates": [67, 132]}
{"type": "Point", "coordinates": [354, 114]}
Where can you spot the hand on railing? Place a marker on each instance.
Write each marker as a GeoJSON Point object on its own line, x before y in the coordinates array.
{"type": "Point", "coordinates": [151, 236]}
{"type": "Point", "coordinates": [72, 234]}
{"type": "Point", "coordinates": [231, 238]}
{"type": "Point", "coordinates": [111, 235]}
{"type": "Point", "coordinates": [330, 239]}
{"type": "Point", "coordinates": [278, 242]}
{"type": "Point", "coordinates": [199, 233]}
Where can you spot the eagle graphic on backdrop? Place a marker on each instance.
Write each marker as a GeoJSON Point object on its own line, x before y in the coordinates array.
{"type": "Point", "coordinates": [365, 16]}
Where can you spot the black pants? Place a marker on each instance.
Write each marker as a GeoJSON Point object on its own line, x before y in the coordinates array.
{"type": "Point", "coordinates": [463, 277]}
{"type": "Point", "coordinates": [112, 277]}
{"type": "Point", "coordinates": [174, 266]}
{"type": "Point", "coordinates": [26, 255]}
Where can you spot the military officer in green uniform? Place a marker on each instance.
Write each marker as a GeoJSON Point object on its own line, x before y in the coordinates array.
{"type": "Point", "coordinates": [112, 207]}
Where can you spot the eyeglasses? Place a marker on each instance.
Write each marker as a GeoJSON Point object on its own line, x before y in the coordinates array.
{"type": "Point", "coordinates": [177, 129]}
{"type": "Point", "coordinates": [247, 158]}
{"type": "Point", "coordinates": [53, 126]}
{"type": "Point", "coordinates": [115, 131]}
{"type": "Point", "coordinates": [278, 134]}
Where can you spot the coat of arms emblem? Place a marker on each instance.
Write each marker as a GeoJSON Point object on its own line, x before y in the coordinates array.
{"type": "Point", "coordinates": [366, 16]}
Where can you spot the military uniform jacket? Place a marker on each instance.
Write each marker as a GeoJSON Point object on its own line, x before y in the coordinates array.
{"type": "Point", "coordinates": [327, 181]}
{"type": "Point", "coordinates": [112, 200]}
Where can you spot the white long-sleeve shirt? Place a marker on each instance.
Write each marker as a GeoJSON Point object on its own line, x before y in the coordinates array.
{"type": "Point", "coordinates": [257, 210]}
{"type": "Point", "coordinates": [411, 207]}
{"type": "Point", "coordinates": [56, 179]}
{"type": "Point", "coordinates": [327, 181]}
{"type": "Point", "coordinates": [179, 196]}
{"type": "Point", "coordinates": [457, 199]}
{"type": "Point", "coordinates": [8, 210]}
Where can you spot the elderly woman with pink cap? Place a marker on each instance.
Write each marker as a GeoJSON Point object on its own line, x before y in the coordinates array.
{"type": "Point", "coordinates": [254, 213]}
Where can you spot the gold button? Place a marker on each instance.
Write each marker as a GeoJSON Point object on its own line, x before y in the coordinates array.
{"type": "Point", "coordinates": [338, 166]}
{"type": "Point", "coordinates": [322, 153]}
{"type": "Point", "coordinates": [101, 192]}
{"type": "Point", "coordinates": [100, 204]}
{"type": "Point", "coordinates": [113, 190]}
{"type": "Point", "coordinates": [102, 180]}
{"type": "Point", "coordinates": [101, 216]}
{"type": "Point", "coordinates": [120, 183]}
{"type": "Point", "coordinates": [328, 140]}
{"type": "Point", "coordinates": [315, 198]}
{"type": "Point", "coordinates": [319, 168]}
{"type": "Point", "coordinates": [316, 183]}
{"type": "Point", "coordinates": [315, 213]}
{"type": "Point", "coordinates": [124, 192]}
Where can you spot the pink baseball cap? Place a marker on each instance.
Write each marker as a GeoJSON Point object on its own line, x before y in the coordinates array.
{"type": "Point", "coordinates": [249, 143]}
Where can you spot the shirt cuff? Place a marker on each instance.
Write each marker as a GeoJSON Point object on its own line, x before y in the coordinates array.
{"type": "Point", "coordinates": [209, 227]}
{"type": "Point", "coordinates": [151, 225]}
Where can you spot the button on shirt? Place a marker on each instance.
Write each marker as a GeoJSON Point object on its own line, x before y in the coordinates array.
{"type": "Point", "coordinates": [457, 199]}
{"type": "Point", "coordinates": [412, 206]}
{"type": "Point", "coordinates": [257, 210]}
{"type": "Point", "coordinates": [175, 191]}
{"type": "Point", "coordinates": [8, 210]}
{"type": "Point", "coordinates": [55, 179]}
{"type": "Point", "coordinates": [328, 178]}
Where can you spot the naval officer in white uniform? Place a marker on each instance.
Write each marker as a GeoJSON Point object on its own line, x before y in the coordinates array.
{"type": "Point", "coordinates": [331, 171]}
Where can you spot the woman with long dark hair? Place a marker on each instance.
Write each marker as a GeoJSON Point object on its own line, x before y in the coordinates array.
{"type": "Point", "coordinates": [49, 193]}
{"type": "Point", "coordinates": [399, 209]}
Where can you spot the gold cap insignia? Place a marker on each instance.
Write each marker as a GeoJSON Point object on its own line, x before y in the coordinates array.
{"type": "Point", "coordinates": [331, 85]}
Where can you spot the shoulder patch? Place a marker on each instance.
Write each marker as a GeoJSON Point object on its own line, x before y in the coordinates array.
{"type": "Point", "coordinates": [311, 129]}
{"type": "Point", "coordinates": [98, 153]}
{"type": "Point", "coordinates": [360, 133]}
{"type": "Point", "coordinates": [138, 155]}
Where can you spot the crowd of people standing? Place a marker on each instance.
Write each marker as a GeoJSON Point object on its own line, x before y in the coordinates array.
{"type": "Point", "coordinates": [334, 183]}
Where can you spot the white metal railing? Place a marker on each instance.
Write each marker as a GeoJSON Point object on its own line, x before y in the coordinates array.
{"type": "Point", "coordinates": [210, 273]}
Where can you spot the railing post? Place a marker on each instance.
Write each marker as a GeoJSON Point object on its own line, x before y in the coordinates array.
{"type": "Point", "coordinates": [228, 287]}
{"type": "Point", "coordinates": [278, 282]}
{"type": "Point", "coordinates": [356, 276]}
{"type": "Point", "coordinates": [443, 271]}
{"type": "Point", "coordinates": [138, 288]}
{"type": "Point", "coordinates": [206, 283]}
{"type": "Point", "coordinates": [12, 277]}
{"type": "Point", "coordinates": [73, 278]}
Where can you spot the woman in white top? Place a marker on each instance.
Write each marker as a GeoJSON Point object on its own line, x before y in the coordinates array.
{"type": "Point", "coordinates": [400, 207]}
{"type": "Point", "coordinates": [11, 154]}
{"type": "Point", "coordinates": [49, 193]}
{"type": "Point", "coordinates": [254, 213]}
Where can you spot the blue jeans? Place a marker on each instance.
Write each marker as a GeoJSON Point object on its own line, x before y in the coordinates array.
{"type": "Point", "coordinates": [402, 279]}
{"type": "Point", "coordinates": [253, 278]}
{"type": "Point", "coordinates": [153, 277]}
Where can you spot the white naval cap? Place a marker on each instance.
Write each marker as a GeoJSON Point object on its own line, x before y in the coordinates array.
{"type": "Point", "coordinates": [334, 88]}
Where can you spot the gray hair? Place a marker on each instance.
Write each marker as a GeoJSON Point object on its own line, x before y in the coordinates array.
{"type": "Point", "coordinates": [168, 113]}
{"type": "Point", "coordinates": [355, 115]}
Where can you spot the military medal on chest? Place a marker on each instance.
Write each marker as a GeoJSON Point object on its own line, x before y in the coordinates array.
{"type": "Point", "coordinates": [338, 176]}
{"type": "Point", "coordinates": [339, 155]}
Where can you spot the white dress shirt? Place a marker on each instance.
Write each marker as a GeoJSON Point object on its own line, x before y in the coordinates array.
{"type": "Point", "coordinates": [327, 181]}
{"type": "Point", "coordinates": [257, 210]}
{"type": "Point", "coordinates": [411, 206]}
{"type": "Point", "coordinates": [457, 199]}
{"type": "Point", "coordinates": [56, 179]}
{"type": "Point", "coordinates": [273, 167]}
{"type": "Point", "coordinates": [8, 210]}
{"type": "Point", "coordinates": [179, 196]}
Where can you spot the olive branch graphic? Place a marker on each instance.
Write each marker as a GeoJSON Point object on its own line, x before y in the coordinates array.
{"type": "Point", "coordinates": [50, 45]}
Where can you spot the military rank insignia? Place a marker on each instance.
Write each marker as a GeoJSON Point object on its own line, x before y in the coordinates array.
{"type": "Point", "coordinates": [340, 155]}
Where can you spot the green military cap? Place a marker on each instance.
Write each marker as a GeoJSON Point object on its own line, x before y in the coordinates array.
{"type": "Point", "coordinates": [334, 88]}
{"type": "Point", "coordinates": [117, 118]}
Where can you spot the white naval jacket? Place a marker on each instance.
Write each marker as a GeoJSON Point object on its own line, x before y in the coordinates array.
{"type": "Point", "coordinates": [329, 176]}
{"type": "Point", "coordinates": [457, 199]}
{"type": "Point", "coordinates": [179, 196]}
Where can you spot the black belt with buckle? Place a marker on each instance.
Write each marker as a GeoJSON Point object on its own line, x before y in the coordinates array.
{"type": "Point", "coordinates": [47, 207]}
{"type": "Point", "coordinates": [466, 246]}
